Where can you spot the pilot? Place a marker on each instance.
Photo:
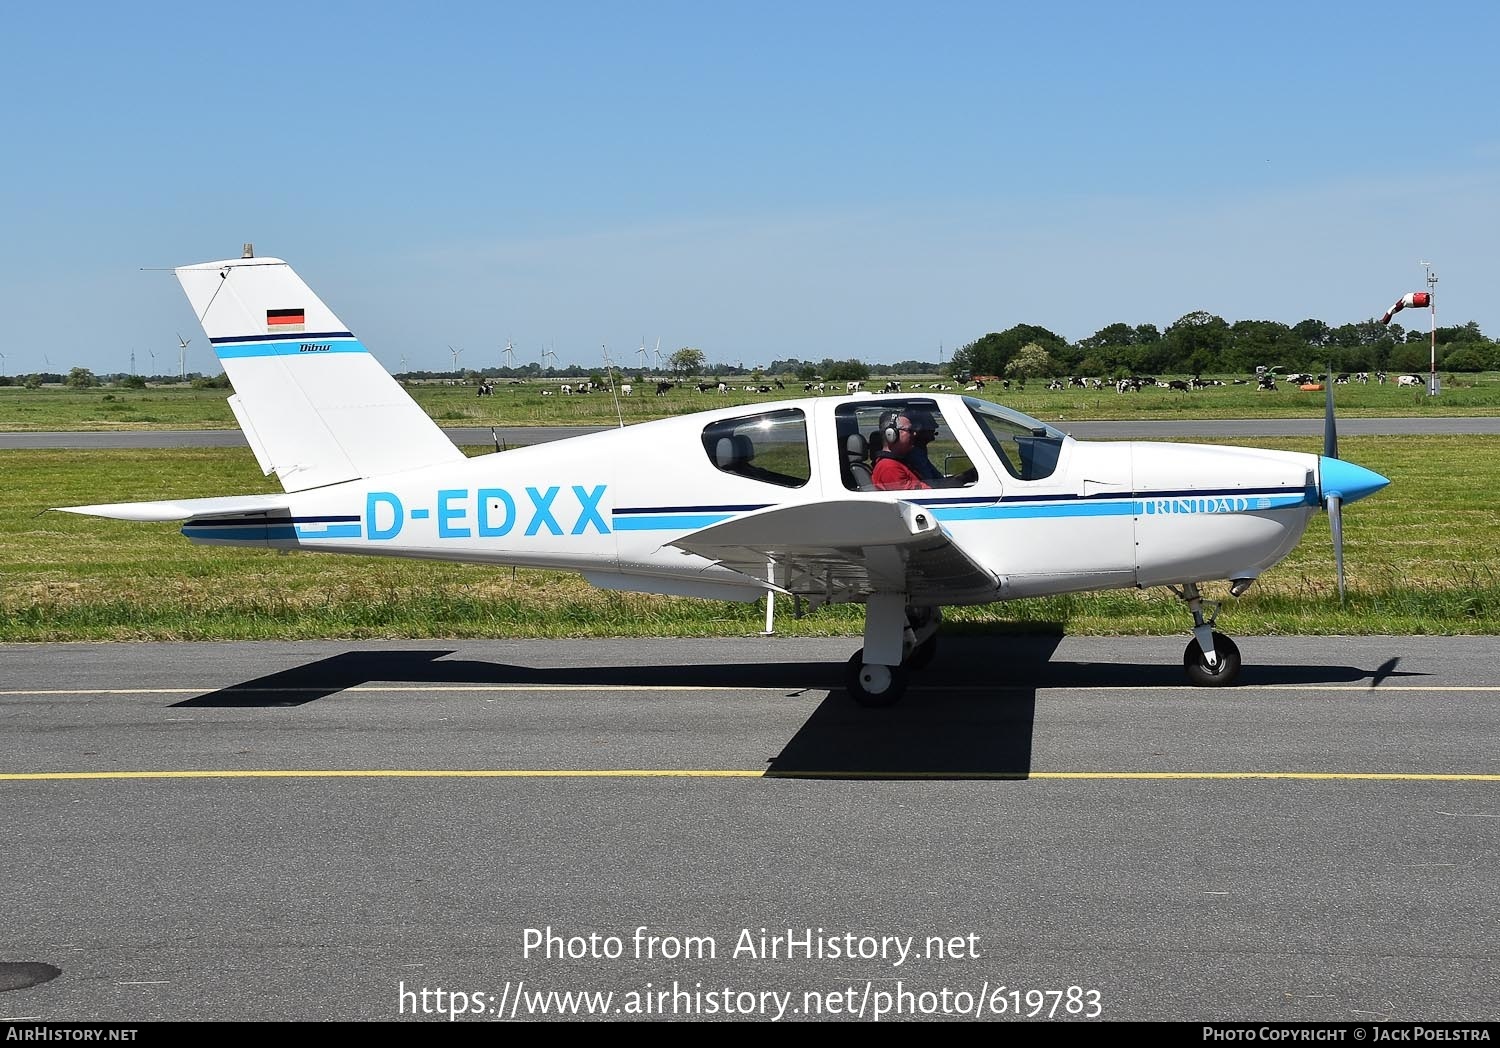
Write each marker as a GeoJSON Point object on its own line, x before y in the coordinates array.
{"type": "Point", "coordinates": [893, 462]}
{"type": "Point", "coordinates": [924, 432]}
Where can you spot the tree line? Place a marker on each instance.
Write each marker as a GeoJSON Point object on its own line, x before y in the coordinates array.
{"type": "Point", "coordinates": [1201, 343]}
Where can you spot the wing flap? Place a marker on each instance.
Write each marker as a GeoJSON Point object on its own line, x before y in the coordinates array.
{"type": "Point", "coordinates": [846, 549]}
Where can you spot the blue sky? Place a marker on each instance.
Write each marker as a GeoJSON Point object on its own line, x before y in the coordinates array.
{"type": "Point", "coordinates": [759, 180]}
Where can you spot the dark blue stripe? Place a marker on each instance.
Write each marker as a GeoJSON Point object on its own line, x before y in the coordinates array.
{"type": "Point", "coordinates": [617, 511]}
{"type": "Point", "coordinates": [240, 522]}
{"type": "Point", "coordinates": [281, 336]}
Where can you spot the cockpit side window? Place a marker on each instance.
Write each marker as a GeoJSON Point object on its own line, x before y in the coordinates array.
{"type": "Point", "coordinates": [938, 458]}
{"type": "Point", "coordinates": [770, 447]}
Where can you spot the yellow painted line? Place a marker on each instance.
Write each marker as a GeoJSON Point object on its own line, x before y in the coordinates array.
{"type": "Point", "coordinates": [708, 773]}
{"type": "Point", "coordinates": [502, 773]}
{"type": "Point", "coordinates": [333, 689]}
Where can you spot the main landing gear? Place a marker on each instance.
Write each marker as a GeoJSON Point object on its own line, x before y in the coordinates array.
{"type": "Point", "coordinates": [1211, 660]}
{"type": "Point", "coordinates": [899, 638]}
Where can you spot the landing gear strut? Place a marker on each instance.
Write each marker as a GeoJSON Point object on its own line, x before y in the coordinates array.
{"type": "Point", "coordinates": [898, 638]}
{"type": "Point", "coordinates": [1211, 660]}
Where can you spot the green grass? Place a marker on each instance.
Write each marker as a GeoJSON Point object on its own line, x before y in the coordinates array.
{"type": "Point", "coordinates": [55, 408]}
{"type": "Point", "coordinates": [1420, 557]}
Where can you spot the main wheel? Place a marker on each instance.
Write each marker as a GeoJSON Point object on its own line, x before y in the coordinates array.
{"type": "Point", "coordinates": [872, 684]}
{"type": "Point", "coordinates": [1206, 676]}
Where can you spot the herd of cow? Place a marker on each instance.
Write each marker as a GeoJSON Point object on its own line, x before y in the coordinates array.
{"type": "Point", "coordinates": [1265, 379]}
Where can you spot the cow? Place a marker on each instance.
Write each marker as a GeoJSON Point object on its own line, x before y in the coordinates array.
{"type": "Point", "coordinates": [662, 388]}
{"type": "Point", "coordinates": [1408, 380]}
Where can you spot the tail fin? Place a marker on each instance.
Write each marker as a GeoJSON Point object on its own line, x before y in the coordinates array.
{"type": "Point", "coordinates": [315, 405]}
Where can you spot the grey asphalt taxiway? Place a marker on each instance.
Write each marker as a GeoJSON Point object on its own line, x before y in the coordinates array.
{"type": "Point", "coordinates": [1058, 826]}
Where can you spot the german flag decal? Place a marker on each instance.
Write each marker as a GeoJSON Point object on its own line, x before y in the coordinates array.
{"type": "Point", "coordinates": [284, 319]}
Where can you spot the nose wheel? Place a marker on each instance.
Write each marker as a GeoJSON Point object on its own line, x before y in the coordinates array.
{"type": "Point", "coordinates": [1212, 660]}
{"type": "Point", "coordinates": [1217, 674]}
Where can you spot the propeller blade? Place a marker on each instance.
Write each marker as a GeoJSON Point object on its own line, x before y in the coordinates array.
{"type": "Point", "coordinates": [1336, 525]}
{"type": "Point", "coordinates": [1330, 429]}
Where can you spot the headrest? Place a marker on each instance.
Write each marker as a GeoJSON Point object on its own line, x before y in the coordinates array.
{"type": "Point", "coordinates": [724, 453]}
{"type": "Point", "coordinates": [855, 446]}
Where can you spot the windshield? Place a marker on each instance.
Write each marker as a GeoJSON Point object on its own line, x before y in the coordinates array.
{"type": "Point", "coordinates": [1027, 447]}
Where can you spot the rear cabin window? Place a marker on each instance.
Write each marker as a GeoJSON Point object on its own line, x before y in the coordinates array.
{"type": "Point", "coordinates": [770, 447]}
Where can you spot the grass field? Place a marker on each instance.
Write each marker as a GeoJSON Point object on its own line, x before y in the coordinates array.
{"type": "Point", "coordinates": [1421, 559]}
{"type": "Point", "coordinates": [169, 407]}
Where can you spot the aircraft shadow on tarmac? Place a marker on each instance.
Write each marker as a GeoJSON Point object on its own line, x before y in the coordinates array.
{"type": "Point", "coordinates": [968, 715]}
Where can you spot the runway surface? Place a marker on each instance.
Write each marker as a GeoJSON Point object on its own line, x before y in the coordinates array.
{"type": "Point", "coordinates": [516, 436]}
{"type": "Point", "coordinates": [325, 830]}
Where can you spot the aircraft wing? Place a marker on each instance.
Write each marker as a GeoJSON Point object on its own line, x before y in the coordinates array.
{"type": "Point", "coordinates": [845, 549]}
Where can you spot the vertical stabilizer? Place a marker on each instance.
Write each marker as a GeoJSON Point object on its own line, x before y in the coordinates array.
{"type": "Point", "coordinates": [315, 405]}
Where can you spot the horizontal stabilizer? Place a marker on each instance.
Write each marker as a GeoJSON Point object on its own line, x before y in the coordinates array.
{"type": "Point", "coordinates": [848, 548]}
{"type": "Point", "coordinates": [183, 509]}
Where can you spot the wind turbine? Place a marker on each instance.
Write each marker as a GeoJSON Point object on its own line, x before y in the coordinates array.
{"type": "Point", "coordinates": [548, 353]}
{"type": "Point", "coordinates": [182, 353]}
{"type": "Point", "coordinates": [153, 362]}
{"type": "Point", "coordinates": [657, 352]}
{"type": "Point", "coordinates": [642, 352]}
{"type": "Point", "coordinates": [456, 353]}
{"type": "Point", "coordinates": [510, 354]}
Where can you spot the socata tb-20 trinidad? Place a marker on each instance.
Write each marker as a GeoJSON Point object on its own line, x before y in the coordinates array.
{"type": "Point", "coordinates": [737, 502]}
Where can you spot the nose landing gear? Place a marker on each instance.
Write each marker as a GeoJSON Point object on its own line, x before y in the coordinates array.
{"type": "Point", "coordinates": [1212, 660]}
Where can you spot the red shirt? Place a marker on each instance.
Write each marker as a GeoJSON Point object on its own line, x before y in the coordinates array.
{"type": "Point", "coordinates": [891, 474]}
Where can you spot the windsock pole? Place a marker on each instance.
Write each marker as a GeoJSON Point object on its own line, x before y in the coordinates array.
{"type": "Point", "coordinates": [1432, 379]}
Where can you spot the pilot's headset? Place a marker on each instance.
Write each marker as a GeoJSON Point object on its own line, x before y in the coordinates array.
{"type": "Point", "coordinates": [890, 430]}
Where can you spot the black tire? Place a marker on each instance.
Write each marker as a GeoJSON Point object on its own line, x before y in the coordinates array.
{"type": "Point", "coordinates": [874, 686]}
{"type": "Point", "coordinates": [922, 655]}
{"type": "Point", "coordinates": [1205, 676]}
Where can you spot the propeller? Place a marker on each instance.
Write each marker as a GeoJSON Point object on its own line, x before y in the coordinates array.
{"type": "Point", "coordinates": [1340, 482]}
{"type": "Point", "coordinates": [1333, 502]}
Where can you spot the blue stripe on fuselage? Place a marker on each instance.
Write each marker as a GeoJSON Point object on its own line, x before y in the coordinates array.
{"type": "Point", "coordinates": [669, 521]}
{"type": "Point", "coordinates": [1147, 505]}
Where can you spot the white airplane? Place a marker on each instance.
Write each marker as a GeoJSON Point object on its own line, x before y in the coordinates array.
{"type": "Point", "coordinates": [734, 503]}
